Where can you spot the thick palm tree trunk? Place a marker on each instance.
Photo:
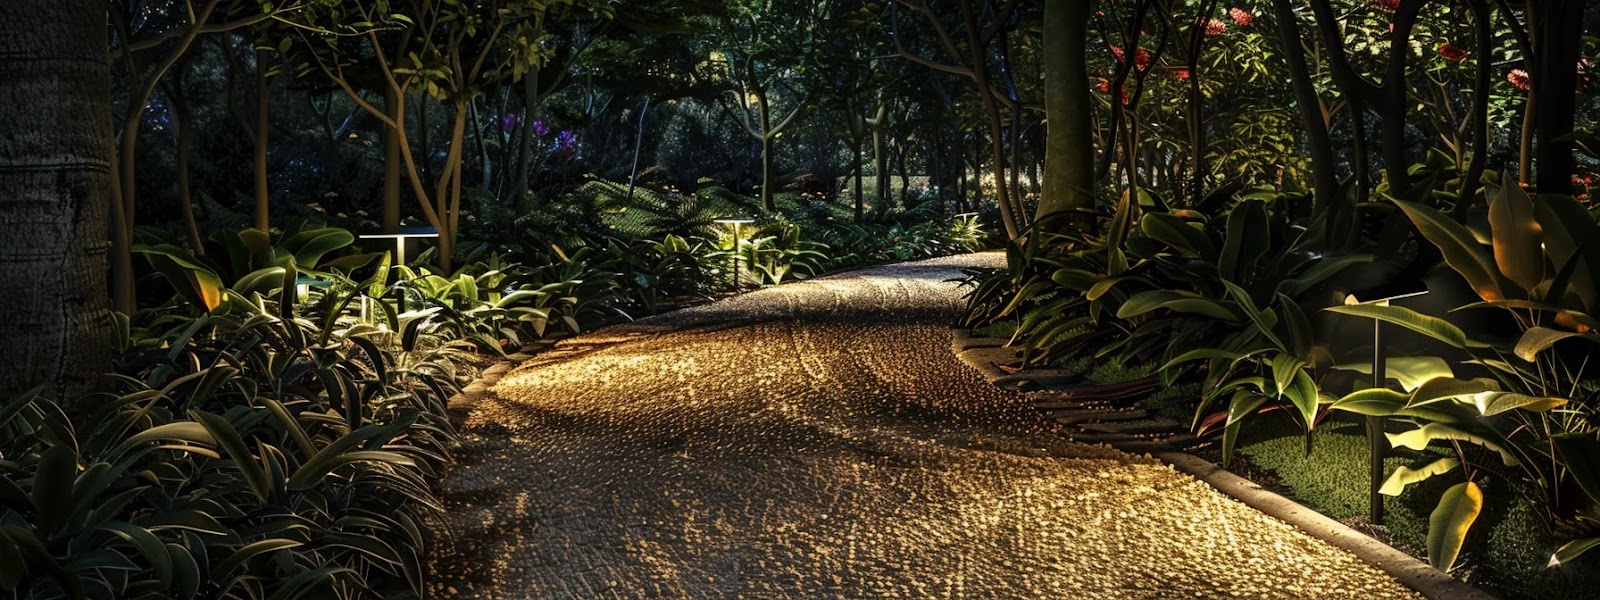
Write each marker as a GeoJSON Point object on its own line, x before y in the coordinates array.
{"type": "Point", "coordinates": [1069, 139]}
{"type": "Point", "coordinates": [55, 188]}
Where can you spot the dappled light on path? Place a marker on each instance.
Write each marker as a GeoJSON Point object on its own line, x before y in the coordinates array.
{"type": "Point", "coordinates": [820, 440]}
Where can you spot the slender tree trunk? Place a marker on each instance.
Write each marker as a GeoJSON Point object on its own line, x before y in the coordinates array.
{"type": "Point", "coordinates": [1555, 83]}
{"type": "Point", "coordinates": [880, 163]}
{"type": "Point", "coordinates": [1483, 32]}
{"type": "Point", "coordinates": [391, 162]}
{"type": "Point", "coordinates": [183, 122]}
{"type": "Point", "coordinates": [263, 186]}
{"type": "Point", "coordinates": [530, 114]}
{"type": "Point", "coordinates": [56, 164]}
{"type": "Point", "coordinates": [857, 165]}
{"type": "Point", "coordinates": [638, 148]}
{"type": "Point", "coordinates": [1325, 181]}
{"type": "Point", "coordinates": [991, 110]}
{"type": "Point", "coordinates": [767, 135]}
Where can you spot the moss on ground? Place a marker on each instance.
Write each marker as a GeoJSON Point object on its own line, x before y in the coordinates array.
{"type": "Point", "coordinates": [1506, 552]}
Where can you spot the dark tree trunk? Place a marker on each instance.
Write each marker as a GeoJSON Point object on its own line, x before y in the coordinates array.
{"type": "Point", "coordinates": [1559, 45]}
{"type": "Point", "coordinates": [391, 163]}
{"type": "Point", "coordinates": [55, 188]}
{"type": "Point", "coordinates": [1325, 182]}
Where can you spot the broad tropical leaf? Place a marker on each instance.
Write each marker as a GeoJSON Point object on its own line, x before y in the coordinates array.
{"type": "Point", "coordinates": [1448, 525]}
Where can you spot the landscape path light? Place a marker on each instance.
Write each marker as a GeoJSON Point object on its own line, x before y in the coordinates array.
{"type": "Point", "coordinates": [400, 238]}
{"type": "Point", "coordinates": [735, 222]}
{"type": "Point", "coordinates": [1377, 444]}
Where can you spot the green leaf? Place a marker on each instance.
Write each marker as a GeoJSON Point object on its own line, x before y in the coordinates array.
{"type": "Point", "coordinates": [1448, 525]}
{"type": "Point", "coordinates": [1175, 232]}
{"type": "Point", "coordinates": [1460, 249]}
{"type": "Point", "coordinates": [1440, 389]}
{"type": "Point", "coordinates": [1405, 476]}
{"type": "Point", "coordinates": [1433, 327]}
{"type": "Point", "coordinates": [1565, 227]}
{"type": "Point", "coordinates": [228, 439]}
{"type": "Point", "coordinates": [1572, 550]}
{"type": "Point", "coordinates": [247, 552]}
{"type": "Point", "coordinates": [1410, 371]}
{"type": "Point", "coordinates": [1494, 403]}
{"type": "Point", "coordinates": [1418, 439]}
{"type": "Point", "coordinates": [1539, 339]}
{"type": "Point", "coordinates": [1144, 302]}
{"type": "Point", "coordinates": [310, 246]}
{"type": "Point", "coordinates": [1372, 402]}
{"type": "Point", "coordinates": [1516, 237]}
{"type": "Point", "coordinates": [1248, 239]}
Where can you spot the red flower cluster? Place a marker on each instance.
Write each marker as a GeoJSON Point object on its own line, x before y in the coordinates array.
{"type": "Point", "coordinates": [1141, 57]}
{"type": "Point", "coordinates": [1215, 27]}
{"type": "Point", "coordinates": [1182, 73]}
{"type": "Point", "coordinates": [1103, 85]}
{"type": "Point", "coordinates": [1386, 5]}
{"type": "Point", "coordinates": [1451, 52]}
{"type": "Point", "coordinates": [1520, 79]}
{"type": "Point", "coordinates": [1241, 16]}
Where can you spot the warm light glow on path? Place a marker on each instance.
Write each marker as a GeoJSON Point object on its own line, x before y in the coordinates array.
{"type": "Point", "coordinates": [819, 440]}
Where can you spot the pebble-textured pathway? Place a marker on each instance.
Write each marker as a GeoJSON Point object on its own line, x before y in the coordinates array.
{"type": "Point", "coordinates": [819, 440]}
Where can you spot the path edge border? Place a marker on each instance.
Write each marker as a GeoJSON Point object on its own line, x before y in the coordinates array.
{"type": "Point", "coordinates": [1405, 568]}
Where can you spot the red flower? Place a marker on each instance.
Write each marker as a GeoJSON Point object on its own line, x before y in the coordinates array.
{"type": "Point", "coordinates": [1452, 53]}
{"type": "Point", "coordinates": [1102, 85]}
{"type": "Point", "coordinates": [1241, 16]}
{"type": "Point", "coordinates": [1181, 73]}
{"type": "Point", "coordinates": [1141, 57]}
{"type": "Point", "coordinates": [1519, 79]}
{"type": "Point", "coordinates": [1386, 5]}
{"type": "Point", "coordinates": [1215, 27]}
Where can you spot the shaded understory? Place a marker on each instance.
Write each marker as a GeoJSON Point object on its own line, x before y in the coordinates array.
{"type": "Point", "coordinates": [820, 440]}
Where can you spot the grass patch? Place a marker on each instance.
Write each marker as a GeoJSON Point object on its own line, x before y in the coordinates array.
{"type": "Point", "coordinates": [1505, 553]}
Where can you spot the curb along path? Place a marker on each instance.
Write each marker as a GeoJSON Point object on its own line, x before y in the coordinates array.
{"type": "Point", "coordinates": [820, 440]}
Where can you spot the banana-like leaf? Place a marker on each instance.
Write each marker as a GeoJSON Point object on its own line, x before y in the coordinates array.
{"type": "Point", "coordinates": [1418, 439]}
{"type": "Point", "coordinates": [1539, 339]}
{"type": "Point", "coordinates": [1175, 232]}
{"type": "Point", "coordinates": [1448, 525]}
{"type": "Point", "coordinates": [1430, 326]}
{"type": "Point", "coordinates": [1442, 389]}
{"type": "Point", "coordinates": [1263, 320]}
{"type": "Point", "coordinates": [1372, 402]}
{"type": "Point", "coordinates": [1410, 371]}
{"type": "Point", "coordinates": [1565, 227]}
{"type": "Point", "coordinates": [1405, 476]}
{"type": "Point", "coordinates": [1460, 249]}
{"type": "Point", "coordinates": [1516, 237]}
{"type": "Point", "coordinates": [1325, 269]}
{"type": "Point", "coordinates": [1494, 403]}
{"type": "Point", "coordinates": [1580, 453]}
{"type": "Point", "coordinates": [1572, 550]}
{"type": "Point", "coordinates": [308, 247]}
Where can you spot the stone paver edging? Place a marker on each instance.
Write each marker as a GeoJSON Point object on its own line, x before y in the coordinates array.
{"type": "Point", "coordinates": [982, 354]}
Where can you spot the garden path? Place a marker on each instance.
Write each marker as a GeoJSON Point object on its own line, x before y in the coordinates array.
{"type": "Point", "coordinates": [820, 440]}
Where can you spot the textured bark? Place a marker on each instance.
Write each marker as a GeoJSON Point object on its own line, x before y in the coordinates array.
{"type": "Point", "coordinates": [55, 188]}
{"type": "Point", "coordinates": [1069, 138]}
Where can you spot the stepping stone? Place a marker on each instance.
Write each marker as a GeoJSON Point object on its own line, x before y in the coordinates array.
{"type": "Point", "coordinates": [1155, 425]}
{"type": "Point", "coordinates": [1074, 417]}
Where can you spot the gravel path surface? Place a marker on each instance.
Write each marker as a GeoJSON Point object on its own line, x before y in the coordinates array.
{"type": "Point", "coordinates": [819, 440]}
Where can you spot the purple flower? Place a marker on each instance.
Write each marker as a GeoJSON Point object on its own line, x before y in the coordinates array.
{"type": "Point", "coordinates": [509, 121]}
{"type": "Point", "coordinates": [566, 138]}
{"type": "Point", "coordinates": [540, 129]}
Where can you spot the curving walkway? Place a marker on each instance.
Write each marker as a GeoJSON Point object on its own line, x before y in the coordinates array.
{"type": "Point", "coordinates": [819, 440]}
